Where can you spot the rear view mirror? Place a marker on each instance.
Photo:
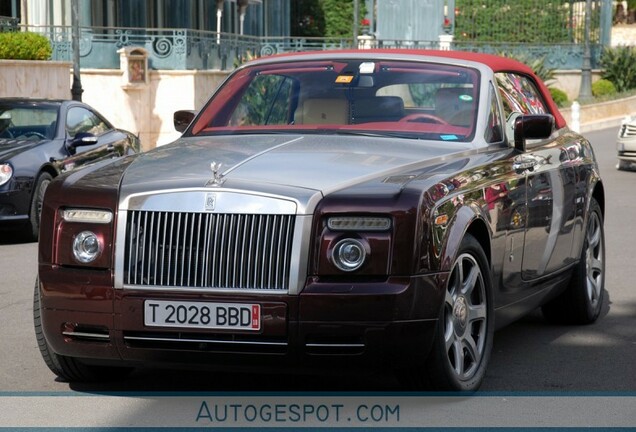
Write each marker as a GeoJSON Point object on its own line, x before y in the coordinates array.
{"type": "Point", "coordinates": [182, 119]}
{"type": "Point", "coordinates": [83, 139]}
{"type": "Point", "coordinates": [532, 126]}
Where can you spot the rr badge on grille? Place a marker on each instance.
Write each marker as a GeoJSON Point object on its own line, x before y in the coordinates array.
{"type": "Point", "coordinates": [210, 201]}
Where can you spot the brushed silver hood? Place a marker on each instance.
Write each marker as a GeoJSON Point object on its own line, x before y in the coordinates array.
{"type": "Point", "coordinates": [301, 167]}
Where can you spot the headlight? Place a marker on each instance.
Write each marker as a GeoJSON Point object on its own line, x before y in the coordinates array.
{"type": "Point", "coordinates": [5, 173]}
{"type": "Point", "coordinates": [349, 254]}
{"type": "Point", "coordinates": [87, 247]}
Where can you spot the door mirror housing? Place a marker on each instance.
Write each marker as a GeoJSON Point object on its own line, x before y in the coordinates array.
{"type": "Point", "coordinates": [532, 127]}
{"type": "Point", "coordinates": [82, 139]}
{"type": "Point", "coordinates": [182, 119]}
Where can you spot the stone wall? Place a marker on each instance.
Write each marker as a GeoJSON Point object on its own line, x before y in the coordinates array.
{"type": "Point", "coordinates": [42, 79]}
{"type": "Point", "coordinates": [146, 110]}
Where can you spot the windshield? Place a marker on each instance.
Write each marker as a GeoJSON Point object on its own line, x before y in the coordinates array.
{"type": "Point", "coordinates": [27, 121]}
{"type": "Point", "coordinates": [396, 98]}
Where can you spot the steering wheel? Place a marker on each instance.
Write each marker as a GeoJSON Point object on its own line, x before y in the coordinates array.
{"type": "Point", "coordinates": [31, 134]}
{"type": "Point", "coordinates": [423, 118]}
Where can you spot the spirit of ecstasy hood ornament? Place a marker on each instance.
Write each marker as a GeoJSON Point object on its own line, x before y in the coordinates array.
{"type": "Point", "coordinates": [217, 179]}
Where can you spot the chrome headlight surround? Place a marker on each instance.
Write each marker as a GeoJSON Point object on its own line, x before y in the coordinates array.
{"type": "Point", "coordinates": [6, 172]}
{"type": "Point", "coordinates": [87, 247]}
{"type": "Point", "coordinates": [349, 254]}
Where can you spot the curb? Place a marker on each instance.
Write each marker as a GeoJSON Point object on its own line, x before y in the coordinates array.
{"type": "Point", "coordinates": [607, 123]}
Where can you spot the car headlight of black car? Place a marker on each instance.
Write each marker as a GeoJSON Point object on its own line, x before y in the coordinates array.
{"type": "Point", "coordinates": [6, 172]}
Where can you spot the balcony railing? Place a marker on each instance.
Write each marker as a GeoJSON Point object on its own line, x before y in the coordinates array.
{"type": "Point", "coordinates": [183, 49]}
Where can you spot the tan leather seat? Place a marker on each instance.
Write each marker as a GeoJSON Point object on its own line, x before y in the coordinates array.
{"type": "Point", "coordinates": [323, 111]}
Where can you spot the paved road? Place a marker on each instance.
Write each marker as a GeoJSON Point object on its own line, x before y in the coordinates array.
{"type": "Point", "coordinates": [530, 355]}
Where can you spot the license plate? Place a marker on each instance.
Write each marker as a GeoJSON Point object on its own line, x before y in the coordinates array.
{"type": "Point", "coordinates": [202, 315]}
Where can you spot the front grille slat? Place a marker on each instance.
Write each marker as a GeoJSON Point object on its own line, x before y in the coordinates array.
{"type": "Point", "coordinates": [208, 250]}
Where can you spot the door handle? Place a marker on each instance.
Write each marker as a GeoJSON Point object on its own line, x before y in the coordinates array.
{"type": "Point", "coordinates": [525, 164]}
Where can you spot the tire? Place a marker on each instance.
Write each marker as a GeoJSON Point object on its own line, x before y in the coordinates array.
{"type": "Point", "coordinates": [623, 165]}
{"type": "Point", "coordinates": [583, 299]}
{"type": "Point", "coordinates": [69, 369]}
{"type": "Point", "coordinates": [35, 211]}
{"type": "Point", "coordinates": [463, 338]}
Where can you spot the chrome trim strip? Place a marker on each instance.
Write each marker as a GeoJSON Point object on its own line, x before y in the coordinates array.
{"type": "Point", "coordinates": [254, 156]}
{"type": "Point", "coordinates": [212, 341]}
{"type": "Point", "coordinates": [206, 290]}
{"type": "Point", "coordinates": [334, 345]}
{"type": "Point", "coordinates": [194, 201]}
{"type": "Point", "coordinates": [87, 335]}
{"type": "Point", "coordinates": [300, 254]}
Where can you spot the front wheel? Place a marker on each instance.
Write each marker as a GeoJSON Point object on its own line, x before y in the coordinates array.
{"type": "Point", "coordinates": [464, 334]}
{"type": "Point", "coordinates": [69, 368]}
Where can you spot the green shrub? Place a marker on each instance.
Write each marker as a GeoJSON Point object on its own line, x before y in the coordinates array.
{"type": "Point", "coordinates": [559, 96]}
{"type": "Point", "coordinates": [619, 67]}
{"type": "Point", "coordinates": [537, 65]}
{"type": "Point", "coordinates": [24, 46]}
{"type": "Point", "coordinates": [537, 21]}
{"type": "Point", "coordinates": [602, 88]}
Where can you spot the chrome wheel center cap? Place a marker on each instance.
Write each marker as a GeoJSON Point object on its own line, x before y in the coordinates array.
{"type": "Point", "coordinates": [460, 312]}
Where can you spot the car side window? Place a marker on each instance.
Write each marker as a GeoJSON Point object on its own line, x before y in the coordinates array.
{"type": "Point", "coordinates": [519, 94]}
{"type": "Point", "coordinates": [494, 129]}
{"type": "Point", "coordinates": [79, 119]}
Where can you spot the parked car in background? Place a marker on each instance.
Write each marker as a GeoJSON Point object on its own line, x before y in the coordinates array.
{"type": "Point", "coordinates": [379, 210]}
{"type": "Point", "coordinates": [40, 139]}
{"type": "Point", "coordinates": [626, 144]}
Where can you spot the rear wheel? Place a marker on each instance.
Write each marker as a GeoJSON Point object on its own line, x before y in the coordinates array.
{"type": "Point", "coordinates": [463, 338]}
{"type": "Point", "coordinates": [582, 301]}
{"type": "Point", "coordinates": [37, 198]}
{"type": "Point", "coordinates": [69, 368]}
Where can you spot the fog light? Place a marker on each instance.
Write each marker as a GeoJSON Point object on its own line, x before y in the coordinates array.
{"type": "Point", "coordinates": [86, 247]}
{"type": "Point", "coordinates": [349, 254]}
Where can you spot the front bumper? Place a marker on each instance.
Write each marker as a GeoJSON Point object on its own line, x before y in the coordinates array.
{"type": "Point", "coordinates": [329, 326]}
{"type": "Point", "coordinates": [14, 207]}
{"type": "Point", "coordinates": [626, 148]}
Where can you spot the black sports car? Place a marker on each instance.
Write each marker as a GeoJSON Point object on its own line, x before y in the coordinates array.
{"type": "Point", "coordinates": [40, 139]}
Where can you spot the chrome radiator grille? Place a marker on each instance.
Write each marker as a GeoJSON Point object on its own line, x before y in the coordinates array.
{"type": "Point", "coordinates": [208, 250]}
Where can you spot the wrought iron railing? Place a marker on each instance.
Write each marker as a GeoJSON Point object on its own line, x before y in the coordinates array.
{"type": "Point", "coordinates": [182, 49]}
{"type": "Point", "coordinates": [8, 24]}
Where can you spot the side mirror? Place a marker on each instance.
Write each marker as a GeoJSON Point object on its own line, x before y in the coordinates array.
{"type": "Point", "coordinates": [532, 126]}
{"type": "Point", "coordinates": [182, 119]}
{"type": "Point", "coordinates": [83, 139]}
